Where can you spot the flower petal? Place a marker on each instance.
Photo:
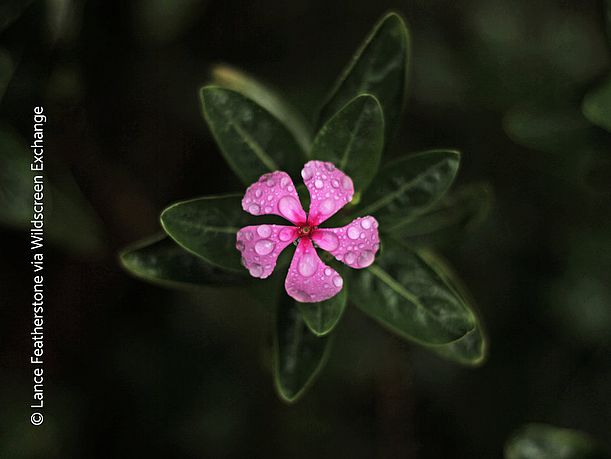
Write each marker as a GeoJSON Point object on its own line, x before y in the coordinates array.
{"type": "Point", "coordinates": [274, 193]}
{"type": "Point", "coordinates": [309, 280]}
{"type": "Point", "coordinates": [260, 246]}
{"type": "Point", "coordinates": [355, 244]}
{"type": "Point", "coordinates": [330, 189]}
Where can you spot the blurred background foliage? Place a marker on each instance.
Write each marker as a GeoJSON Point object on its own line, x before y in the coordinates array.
{"type": "Point", "coordinates": [520, 87]}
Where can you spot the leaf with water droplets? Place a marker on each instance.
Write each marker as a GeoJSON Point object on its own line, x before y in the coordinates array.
{"type": "Point", "coordinates": [207, 227]}
{"type": "Point", "coordinates": [299, 355]}
{"type": "Point", "coordinates": [353, 140]}
{"type": "Point", "coordinates": [252, 140]}
{"type": "Point", "coordinates": [543, 441]}
{"type": "Point", "coordinates": [407, 295]}
{"type": "Point", "coordinates": [379, 67]}
{"type": "Point", "coordinates": [322, 317]}
{"type": "Point", "coordinates": [160, 260]}
{"type": "Point", "coordinates": [410, 185]}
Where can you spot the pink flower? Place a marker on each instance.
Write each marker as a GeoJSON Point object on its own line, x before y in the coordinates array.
{"type": "Point", "coordinates": [309, 280]}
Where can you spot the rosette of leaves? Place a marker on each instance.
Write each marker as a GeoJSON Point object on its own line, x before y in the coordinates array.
{"type": "Point", "coordinates": [409, 289]}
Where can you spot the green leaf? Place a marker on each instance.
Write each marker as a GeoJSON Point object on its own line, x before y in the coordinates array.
{"type": "Point", "coordinates": [252, 140]}
{"type": "Point", "coordinates": [353, 139]}
{"type": "Point", "coordinates": [207, 227]}
{"type": "Point", "coordinates": [405, 294]}
{"type": "Point", "coordinates": [596, 105]}
{"type": "Point", "coordinates": [454, 215]}
{"type": "Point", "coordinates": [160, 260]}
{"type": "Point", "coordinates": [409, 186]}
{"type": "Point", "coordinates": [321, 318]}
{"type": "Point", "coordinates": [379, 67]}
{"type": "Point", "coordinates": [269, 99]}
{"type": "Point", "coordinates": [15, 181]}
{"type": "Point", "coordinates": [472, 348]}
{"type": "Point", "coordinates": [542, 441]}
{"type": "Point", "coordinates": [299, 355]}
{"type": "Point", "coordinates": [6, 71]}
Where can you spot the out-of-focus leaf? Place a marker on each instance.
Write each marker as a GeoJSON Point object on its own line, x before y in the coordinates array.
{"type": "Point", "coordinates": [207, 227]}
{"type": "Point", "coordinates": [598, 175]}
{"type": "Point", "coordinates": [266, 97]}
{"type": "Point", "coordinates": [353, 139]}
{"type": "Point", "coordinates": [379, 67]}
{"type": "Point", "coordinates": [252, 140]}
{"type": "Point", "coordinates": [409, 186]}
{"type": "Point", "coordinates": [472, 348]}
{"type": "Point", "coordinates": [6, 71]}
{"type": "Point", "coordinates": [161, 21]}
{"type": "Point", "coordinates": [407, 295]}
{"type": "Point", "coordinates": [597, 105]}
{"type": "Point", "coordinates": [542, 441]}
{"type": "Point", "coordinates": [298, 353]}
{"type": "Point", "coordinates": [322, 317]}
{"type": "Point", "coordinates": [15, 181]}
{"type": "Point", "coordinates": [548, 129]}
{"type": "Point", "coordinates": [160, 260]}
{"type": "Point", "coordinates": [453, 216]}
{"type": "Point", "coordinates": [10, 10]}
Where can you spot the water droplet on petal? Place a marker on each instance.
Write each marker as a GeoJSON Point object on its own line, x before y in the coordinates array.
{"type": "Point", "coordinates": [254, 209]}
{"type": "Point", "coordinates": [326, 207]}
{"type": "Point", "coordinates": [264, 230]}
{"type": "Point", "coordinates": [308, 264]}
{"type": "Point", "coordinates": [270, 182]}
{"type": "Point", "coordinates": [366, 223]}
{"type": "Point", "coordinates": [365, 258]}
{"type": "Point", "coordinates": [330, 166]}
{"type": "Point", "coordinates": [300, 295]}
{"type": "Point", "coordinates": [353, 232]}
{"type": "Point", "coordinates": [328, 241]}
{"type": "Point", "coordinates": [346, 183]}
{"type": "Point", "coordinates": [239, 245]}
{"type": "Point", "coordinates": [338, 281]}
{"type": "Point", "coordinates": [268, 210]}
{"type": "Point", "coordinates": [258, 193]}
{"type": "Point", "coordinates": [328, 271]}
{"type": "Point", "coordinates": [306, 173]}
{"type": "Point", "coordinates": [289, 208]}
{"type": "Point", "coordinates": [350, 258]}
{"type": "Point", "coordinates": [334, 183]}
{"type": "Point", "coordinates": [248, 235]}
{"type": "Point", "coordinates": [284, 182]}
{"type": "Point", "coordinates": [318, 184]}
{"type": "Point", "coordinates": [255, 270]}
{"type": "Point", "coordinates": [264, 246]}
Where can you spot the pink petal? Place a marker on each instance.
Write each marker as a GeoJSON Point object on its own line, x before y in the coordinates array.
{"type": "Point", "coordinates": [309, 280]}
{"type": "Point", "coordinates": [330, 190]}
{"type": "Point", "coordinates": [355, 244]}
{"type": "Point", "coordinates": [274, 193]}
{"type": "Point", "coordinates": [260, 246]}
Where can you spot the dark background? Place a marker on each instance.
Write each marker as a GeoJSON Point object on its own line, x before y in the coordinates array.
{"type": "Point", "coordinates": [134, 370]}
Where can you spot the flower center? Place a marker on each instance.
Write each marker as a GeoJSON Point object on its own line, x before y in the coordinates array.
{"type": "Point", "coordinates": [306, 230]}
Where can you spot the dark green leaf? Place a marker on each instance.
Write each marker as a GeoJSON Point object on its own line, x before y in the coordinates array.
{"type": "Point", "coordinates": [404, 293]}
{"type": "Point", "coordinates": [267, 98]}
{"type": "Point", "coordinates": [379, 67]}
{"type": "Point", "coordinates": [6, 70]}
{"type": "Point", "coordinates": [542, 441]}
{"type": "Point", "coordinates": [454, 215]}
{"type": "Point", "coordinates": [409, 186]}
{"type": "Point", "coordinates": [252, 140]}
{"type": "Point", "coordinates": [15, 181]}
{"type": "Point", "coordinates": [298, 354]}
{"type": "Point", "coordinates": [207, 227]}
{"type": "Point", "coordinates": [322, 317]}
{"type": "Point", "coordinates": [159, 259]}
{"type": "Point", "coordinates": [471, 349]}
{"type": "Point", "coordinates": [597, 105]}
{"type": "Point", "coordinates": [353, 140]}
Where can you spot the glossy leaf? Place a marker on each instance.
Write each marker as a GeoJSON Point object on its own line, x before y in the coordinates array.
{"type": "Point", "coordinates": [405, 294]}
{"type": "Point", "coordinates": [207, 227]}
{"type": "Point", "coordinates": [379, 67]}
{"type": "Point", "coordinates": [454, 215]}
{"type": "Point", "coordinates": [542, 441]}
{"type": "Point", "coordinates": [299, 355]}
{"type": "Point", "coordinates": [266, 97]}
{"type": "Point", "coordinates": [252, 140]}
{"type": "Point", "coordinates": [353, 140]}
{"type": "Point", "coordinates": [409, 186]}
{"type": "Point", "coordinates": [160, 260]}
{"type": "Point", "coordinates": [472, 348]}
{"type": "Point", "coordinates": [597, 105]}
{"type": "Point", "coordinates": [322, 317]}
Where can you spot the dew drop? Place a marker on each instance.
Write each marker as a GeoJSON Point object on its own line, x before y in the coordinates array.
{"type": "Point", "coordinates": [318, 184]}
{"type": "Point", "coordinates": [328, 271]}
{"type": "Point", "coordinates": [284, 182]}
{"type": "Point", "coordinates": [239, 245]}
{"type": "Point", "coordinates": [307, 265]}
{"type": "Point", "coordinates": [302, 296]}
{"type": "Point", "coordinates": [326, 207]}
{"type": "Point", "coordinates": [334, 183]}
{"type": "Point", "coordinates": [353, 232]}
{"type": "Point", "coordinates": [366, 223]}
{"type": "Point", "coordinates": [286, 234]}
{"type": "Point", "coordinates": [290, 208]}
{"type": "Point", "coordinates": [258, 193]}
{"type": "Point", "coordinates": [255, 270]}
{"type": "Point", "coordinates": [328, 241]}
{"type": "Point", "coordinates": [306, 173]}
{"type": "Point", "coordinates": [264, 247]}
{"type": "Point", "coordinates": [248, 235]}
{"type": "Point", "coordinates": [365, 258]}
{"type": "Point", "coordinates": [268, 210]}
{"type": "Point", "coordinates": [330, 167]}
{"type": "Point", "coordinates": [346, 183]}
{"type": "Point", "coordinates": [338, 281]}
{"type": "Point", "coordinates": [270, 182]}
{"type": "Point", "coordinates": [350, 258]}
{"type": "Point", "coordinates": [254, 209]}
{"type": "Point", "coordinates": [264, 230]}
